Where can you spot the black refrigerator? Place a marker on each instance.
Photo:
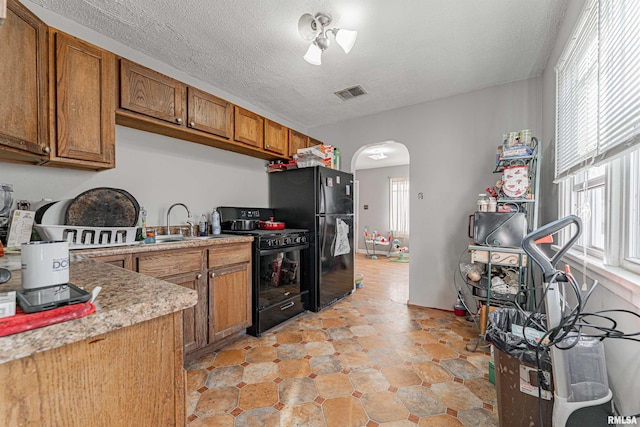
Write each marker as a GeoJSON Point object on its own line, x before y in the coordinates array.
{"type": "Point", "coordinates": [321, 200]}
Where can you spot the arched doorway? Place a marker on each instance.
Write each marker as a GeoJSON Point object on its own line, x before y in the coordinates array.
{"type": "Point", "coordinates": [381, 174]}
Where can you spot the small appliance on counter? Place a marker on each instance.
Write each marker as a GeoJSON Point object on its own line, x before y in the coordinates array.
{"type": "Point", "coordinates": [279, 291]}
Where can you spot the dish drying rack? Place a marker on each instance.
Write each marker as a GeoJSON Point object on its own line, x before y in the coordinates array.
{"type": "Point", "coordinates": [88, 237]}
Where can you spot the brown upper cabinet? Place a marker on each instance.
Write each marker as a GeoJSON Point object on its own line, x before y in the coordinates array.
{"type": "Point", "coordinates": [208, 113]}
{"type": "Point", "coordinates": [23, 85]}
{"type": "Point", "coordinates": [276, 137]}
{"type": "Point", "coordinates": [155, 95]}
{"type": "Point", "coordinates": [58, 104]}
{"type": "Point", "coordinates": [297, 140]}
{"type": "Point", "coordinates": [150, 93]}
{"type": "Point", "coordinates": [83, 97]}
{"type": "Point", "coordinates": [249, 127]}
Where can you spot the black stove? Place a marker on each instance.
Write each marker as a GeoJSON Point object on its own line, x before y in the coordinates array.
{"type": "Point", "coordinates": [278, 265]}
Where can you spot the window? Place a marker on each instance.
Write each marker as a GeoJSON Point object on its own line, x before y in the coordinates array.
{"type": "Point", "coordinates": [598, 130]}
{"type": "Point", "coordinates": [631, 254]}
{"type": "Point", "coordinates": [399, 206]}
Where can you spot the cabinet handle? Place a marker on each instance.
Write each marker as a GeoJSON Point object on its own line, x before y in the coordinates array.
{"type": "Point", "coordinates": [213, 275]}
{"type": "Point", "coordinates": [46, 149]}
{"type": "Point", "coordinates": [268, 146]}
{"type": "Point", "coordinates": [178, 120]}
{"type": "Point", "coordinates": [192, 123]}
{"type": "Point", "coordinates": [199, 276]}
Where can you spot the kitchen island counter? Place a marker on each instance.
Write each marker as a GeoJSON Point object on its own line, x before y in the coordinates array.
{"type": "Point", "coordinates": [119, 366]}
{"type": "Point", "coordinates": [126, 298]}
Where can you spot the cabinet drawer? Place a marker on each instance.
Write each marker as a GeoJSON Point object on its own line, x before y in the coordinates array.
{"type": "Point", "coordinates": [229, 254]}
{"type": "Point", "coordinates": [169, 264]}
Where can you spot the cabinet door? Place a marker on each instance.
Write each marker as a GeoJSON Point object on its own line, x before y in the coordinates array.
{"type": "Point", "coordinates": [249, 127]}
{"type": "Point", "coordinates": [196, 318]}
{"type": "Point", "coordinates": [84, 102]}
{"type": "Point", "coordinates": [150, 93]}
{"type": "Point", "coordinates": [297, 140]}
{"type": "Point", "coordinates": [23, 84]}
{"type": "Point", "coordinates": [209, 113]}
{"type": "Point", "coordinates": [229, 300]}
{"type": "Point", "coordinates": [276, 137]}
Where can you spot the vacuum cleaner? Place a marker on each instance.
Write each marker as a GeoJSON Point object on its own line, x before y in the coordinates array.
{"type": "Point", "coordinates": [582, 397]}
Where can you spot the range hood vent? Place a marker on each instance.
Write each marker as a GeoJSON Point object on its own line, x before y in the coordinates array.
{"type": "Point", "coordinates": [350, 92]}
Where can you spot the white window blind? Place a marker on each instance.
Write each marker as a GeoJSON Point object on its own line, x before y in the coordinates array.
{"type": "Point", "coordinates": [598, 86]}
{"type": "Point", "coordinates": [619, 72]}
{"type": "Point", "coordinates": [399, 206]}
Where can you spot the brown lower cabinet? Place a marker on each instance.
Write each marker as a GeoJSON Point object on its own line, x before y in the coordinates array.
{"type": "Point", "coordinates": [127, 377]}
{"type": "Point", "coordinates": [221, 274]}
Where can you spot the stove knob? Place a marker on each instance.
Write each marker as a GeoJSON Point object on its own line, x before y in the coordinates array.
{"type": "Point", "coordinates": [287, 240]}
{"type": "Point", "coordinates": [303, 239]}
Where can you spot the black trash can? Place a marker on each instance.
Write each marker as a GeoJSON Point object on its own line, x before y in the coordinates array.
{"type": "Point", "coordinates": [517, 380]}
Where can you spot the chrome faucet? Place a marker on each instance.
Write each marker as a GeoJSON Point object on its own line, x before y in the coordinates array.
{"type": "Point", "coordinates": [189, 219]}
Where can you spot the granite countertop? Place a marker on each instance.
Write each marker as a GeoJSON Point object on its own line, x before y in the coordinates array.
{"type": "Point", "coordinates": [190, 242]}
{"type": "Point", "coordinates": [126, 298]}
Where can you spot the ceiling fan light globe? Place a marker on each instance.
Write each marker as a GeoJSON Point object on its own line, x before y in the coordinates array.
{"type": "Point", "coordinates": [346, 39]}
{"type": "Point", "coordinates": [307, 28]}
{"type": "Point", "coordinates": [313, 55]}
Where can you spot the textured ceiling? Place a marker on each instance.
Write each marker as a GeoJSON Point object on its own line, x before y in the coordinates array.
{"type": "Point", "coordinates": [407, 52]}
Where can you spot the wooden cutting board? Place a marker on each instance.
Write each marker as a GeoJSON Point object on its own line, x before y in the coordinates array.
{"type": "Point", "coordinates": [103, 207]}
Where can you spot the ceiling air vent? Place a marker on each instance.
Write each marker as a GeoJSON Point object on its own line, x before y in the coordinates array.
{"type": "Point", "coordinates": [350, 92]}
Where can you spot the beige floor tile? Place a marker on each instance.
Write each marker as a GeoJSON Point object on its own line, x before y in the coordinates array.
{"type": "Point", "coordinates": [344, 412]}
{"type": "Point", "coordinates": [348, 345]}
{"type": "Point", "coordinates": [368, 380]}
{"type": "Point", "coordinates": [356, 360]}
{"type": "Point", "coordinates": [332, 322]}
{"type": "Point", "coordinates": [294, 368]}
{"type": "Point", "coordinates": [443, 420]}
{"type": "Point", "coordinates": [215, 421]}
{"type": "Point", "coordinates": [261, 354]}
{"type": "Point", "coordinates": [289, 337]}
{"type": "Point", "coordinates": [196, 378]}
{"type": "Point", "coordinates": [456, 396]}
{"type": "Point", "coordinates": [217, 401]}
{"type": "Point", "coordinates": [295, 391]}
{"type": "Point", "coordinates": [314, 335]}
{"type": "Point", "coordinates": [261, 395]}
{"type": "Point", "coordinates": [384, 407]}
{"type": "Point", "coordinates": [432, 372]}
{"type": "Point", "coordinates": [229, 357]}
{"type": "Point", "coordinates": [401, 376]}
{"type": "Point", "coordinates": [333, 385]}
{"type": "Point", "coordinates": [263, 417]}
{"type": "Point", "coordinates": [306, 415]}
{"type": "Point", "coordinates": [260, 372]}
{"type": "Point", "coordinates": [439, 351]}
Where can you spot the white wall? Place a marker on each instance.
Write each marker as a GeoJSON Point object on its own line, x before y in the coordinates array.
{"type": "Point", "coordinates": [157, 170]}
{"type": "Point", "coordinates": [623, 364]}
{"type": "Point", "coordinates": [374, 192]}
{"type": "Point", "coordinates": [452, 145]}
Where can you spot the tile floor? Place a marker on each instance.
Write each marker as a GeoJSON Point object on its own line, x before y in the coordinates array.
{"type": "Point", "coordinates": [369, 360]}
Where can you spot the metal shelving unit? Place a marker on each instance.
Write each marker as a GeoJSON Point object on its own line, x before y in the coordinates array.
{"type": "Point", "coordinates": [514, 258]}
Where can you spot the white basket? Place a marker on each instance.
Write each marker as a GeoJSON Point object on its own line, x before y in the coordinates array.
{"type": "Point", "coordinates": [88, 236]}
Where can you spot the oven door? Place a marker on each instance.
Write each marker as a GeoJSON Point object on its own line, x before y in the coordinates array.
{"type": "Point", "coordinates": [278, 275]}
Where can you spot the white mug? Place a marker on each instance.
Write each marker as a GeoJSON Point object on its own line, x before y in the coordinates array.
{"type": "Point", "coordinates": [44, 264]}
